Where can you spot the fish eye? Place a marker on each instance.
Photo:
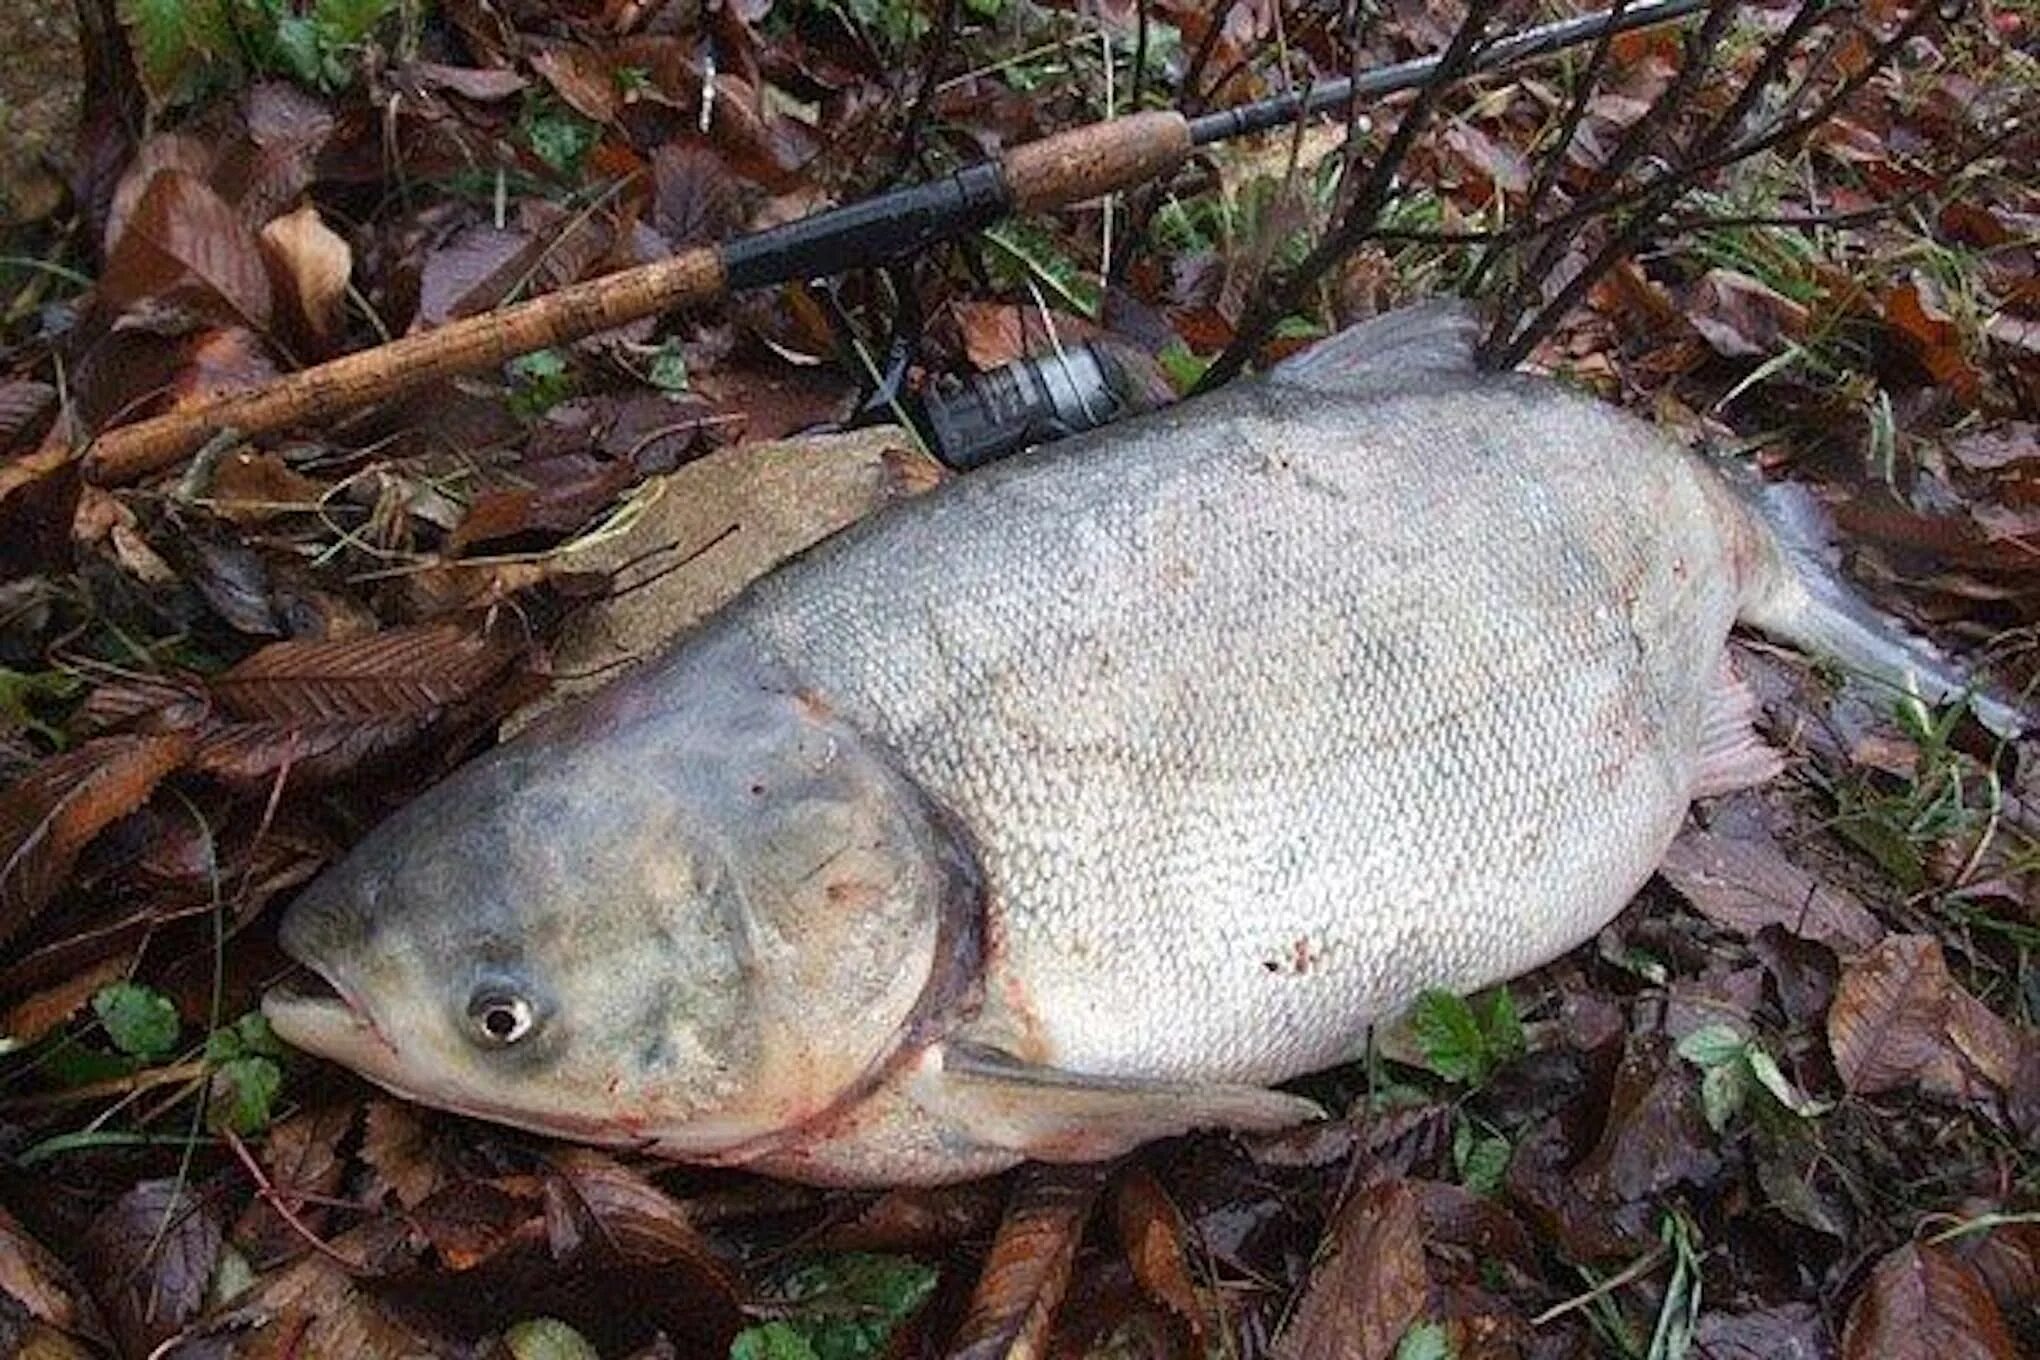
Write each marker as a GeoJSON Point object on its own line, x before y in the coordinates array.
{"type": "Point", "coordinates": [500, 1018]}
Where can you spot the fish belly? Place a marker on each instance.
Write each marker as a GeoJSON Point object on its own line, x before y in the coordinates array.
{"type": "Point", "coordinates": [1266, 720]}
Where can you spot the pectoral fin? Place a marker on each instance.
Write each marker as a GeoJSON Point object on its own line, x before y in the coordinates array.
{"type": "Point", "coordinates": [1055, 1116]}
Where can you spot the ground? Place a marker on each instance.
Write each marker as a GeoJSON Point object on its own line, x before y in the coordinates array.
{"type": "Point", "coordinates": [1786, 1104]}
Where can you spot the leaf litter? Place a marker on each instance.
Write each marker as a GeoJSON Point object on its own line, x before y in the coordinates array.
{"type": "Point", "coordinates": [1786, 1105]}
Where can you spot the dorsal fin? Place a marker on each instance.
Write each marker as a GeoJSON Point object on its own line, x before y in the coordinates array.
{"type": "Point", "coordinates": [1413, 346]}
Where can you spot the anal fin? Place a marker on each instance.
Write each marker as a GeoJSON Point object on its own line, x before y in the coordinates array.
{"type": "Point", "coordinates": [1731, 755]}
{"type": "Point", "coordinates": [1054, 1116]}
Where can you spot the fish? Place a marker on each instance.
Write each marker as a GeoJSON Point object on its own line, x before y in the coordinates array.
{"type": "Point", "coordinates": [1088, 798]}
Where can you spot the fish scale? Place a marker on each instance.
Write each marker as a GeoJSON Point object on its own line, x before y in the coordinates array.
{"type": "Point", "coordinates": [1264, 721]}
{"type": "Point", "coordinates": [1083, 799]}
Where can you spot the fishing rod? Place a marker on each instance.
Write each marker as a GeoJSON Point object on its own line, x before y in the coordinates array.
{"type": "Point", "coordinates": [1057, 171]}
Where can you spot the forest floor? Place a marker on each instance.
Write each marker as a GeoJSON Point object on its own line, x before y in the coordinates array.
{"type": "Point", "coordinates": [1787, 1104]}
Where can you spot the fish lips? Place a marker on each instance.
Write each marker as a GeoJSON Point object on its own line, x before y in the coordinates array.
{"type": "Point", "coordinates": [314, 1009]}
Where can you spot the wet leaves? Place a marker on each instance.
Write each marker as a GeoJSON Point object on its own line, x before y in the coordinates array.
{"type": "Point", "coordinates": [1899, 1018]}
{"type": "Point", "coordinates": [1369, 1285]}
{"type": "Point", "coordinates": [151, 1254]}
{"type": "Point", "coordinates": [185, 246]}
{"type": "Point", "coordinates": [48, 818]}
{"type": "Point", "coordinates": [1922, 1303]}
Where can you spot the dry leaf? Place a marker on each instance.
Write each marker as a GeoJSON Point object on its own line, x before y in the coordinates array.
{"type": "Point", "coordinates": [1742, 318]}
{"type": "Point", "coordinates": [1745, 885]}
{"type": "Point", "coordinates": [48, 817]}
{"type": "Point", "coordinates": [402, 672]}
{"type": "Point", "coordinates": [1924, 1304]}
{"type": "Point", "coordinates": [185, 246]}
{"type": "Point", "coordinates": [1028, 1267]}
{"type": "Point", "coordinates": [309, 264]}
{"type": "Point", "coordinates": [248, 488]}
{"type": "Point", "coordinates": [39, 1285]}
{"type": "Point", "coordinates": [401, 1154]}
{"type": "Point", "coordinates": [595, 1195]}
{"type": "Point", "coordinates": [1151, 1233]}
{"type": "Point", "coordinates": [150, 1255]}
{"type": "Point", "coordinates": [1369, 1284]}
{"type": "Point", "coordinates": [1899, 1018]}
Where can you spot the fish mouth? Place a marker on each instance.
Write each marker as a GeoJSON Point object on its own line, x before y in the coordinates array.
{"type": "Point", "coordinates": [311, 1010]}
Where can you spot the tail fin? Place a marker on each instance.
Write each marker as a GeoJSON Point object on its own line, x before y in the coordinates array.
{"type": "Point", "coordinates": [1799, 598]}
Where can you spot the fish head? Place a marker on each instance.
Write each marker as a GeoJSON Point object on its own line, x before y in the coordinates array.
{"type": "Point", "coordinates": [697, 931]}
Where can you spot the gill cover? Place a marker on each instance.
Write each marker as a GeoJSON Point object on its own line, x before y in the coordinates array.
{"type": "Point", "coordinates": [696, 913]}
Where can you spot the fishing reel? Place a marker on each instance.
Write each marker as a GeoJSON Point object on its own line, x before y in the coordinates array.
{"type": "Point", "coordinates": [971, 420]}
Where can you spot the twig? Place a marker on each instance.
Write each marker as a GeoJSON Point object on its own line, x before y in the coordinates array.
{"type": "Point", "coordinates": [1635, 1270]}
{"type": "Point", "coordinates": [1277, 302]}
{"type": "Point", "coordinates": [146, 1079]}
{"type": "Point", "coordinates": [274, 1199]}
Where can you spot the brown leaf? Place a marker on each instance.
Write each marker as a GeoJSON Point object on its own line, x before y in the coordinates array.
{"type": "Point", "coordinates": [472, 272]}
{"type": "Point", "coordinates": [583, 77]}
{"type": "Point", "coordinates": [593, 1196]}
{"type": "Point", "coordinates": [1151, 1234]}
{"type": "Point", "coordinates": [1790, 1331]}
{"type": "Point", "coordinates": [314, 1308]}
{"type": "Point", "coordinates": [470, 82]}
{"type": "Point", "coordinates": [252, 754]}
{"type": "Point", "coordinates": [1924, 1304]}
{"type": "Point", "coordinates": [302, 1157]}
{"type": "Point", "coordinates": [1744, 885]}
{"type": "Point", "coordinates": [38, 1013]}
{"type": "Point", "coordinates": [309, 265]}
{"type": "Point", "coordinates": [1933, 338]}
{"type": "Point", "coordinates": [42, 1287]}
{"type": "Point", "coordinates": [25, 408]}
{"type": "Point", "coordinates": [287, 129]}
{"type": "Point", "coordinates": [469, 1221]}
{"type": "Point", "coordinates": [412, 671]}
{"type": "Point", "coordinates": [48, 817]}
{"type": "Point", "coordinates": [914, 1218]}
{"type": "Point", "coordinates": [401, 1154]}
{"type": "Point", "coordinates": [1028, 1267]}
{"type": "Point", "coordinates": [185, 246]}
{"type": "Point", "coordinates": [219, 360]}
{"type": "Point", "coordinates": [694, 199]}
{"type": "Point", "coordinates": [1900, 1018]}
{"type": "Point", "coordinates": [164, 151]}
{"type": "Point", "coordinates": [248, 488]}
{"type": "Point", "coordinates": [2007, 1259]}
{"type": "Point", "coordinates": [567, 494]}
{"type": "Point", "coordinates": [150, 1254]}
{"type": "Point", "coordinates": [1369, 1284]}
{"type": "Point", "coordinates": [1742, 318]}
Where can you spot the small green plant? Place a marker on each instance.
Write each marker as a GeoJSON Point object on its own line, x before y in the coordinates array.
{"type": "Point", "coordinates": [247, 1073]}
{"type": "Point", "coordinates": [1900, 829]}
{"type": "Point", "coordinates": [1425, 1341]}
{"type": "Point", "coordinates": [557, 135]}
{"type": "Point", "coordinates": [187, 47]}
{"type": "Point", "coordinates": [139, 1021]}
{"type": "Point", "coordinates": [1734, 1069]}
{"type": "Point", "coordinates": [541, 380]}
{"type": "Point", "coordinates": [1466, 1040]}
{"type": "Point", "coordinates": [1481, 1159]}
{"type": "Point", "coordinates": [846, 1308]}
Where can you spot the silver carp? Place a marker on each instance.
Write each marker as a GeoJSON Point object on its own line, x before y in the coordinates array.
{"type": "Point", "coordinates": [1082, 800]}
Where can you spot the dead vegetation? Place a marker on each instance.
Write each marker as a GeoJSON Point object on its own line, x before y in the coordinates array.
{"type": "Point", "coordinates": [1787, 1104]}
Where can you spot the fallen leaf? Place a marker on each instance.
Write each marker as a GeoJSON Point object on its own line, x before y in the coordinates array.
{"type": "Point", "coordinates": [249, 488]}
{"type": "Point", "coordinates": [1912, 310]}
{"type": "Point", "coordinates": [315, 1307]}
{"type": "Point", "coordinates": [1744, 885]}
{"type": "Point", "coordinates": [583, 77]}
{"type": "Point", "coordinates": [309, 265]}
{"type": "Point", "coordinates": [694, 199]}
{"type": "Point", "coordinates": [401, 1154]}
{"type": "Point", "coordinates": [302, 1156]}
{"type": "Point", "coordinates": [478, 83]}
{"type": "Point", "coordinates": [36, 1014]}
{"type": "Point", "coordinates": [469, 1221]}
{"type": "Point", "coordinates": [1899, 1018]}
{"type": "Point", "coordinates": [287, 129]}
{"type": "Point", "coordinates": [413, 670]}
{"type": "Point", "coordinates": [164, 151]}
{"type": "Point", "coordinates": [187, 247]}
{"type": "Point", "coordinates": [1740, 317]}
{"type": "Point", "coordinates": [219, 360]}
{"type": "Point", "coordinates": [150, 1255]}
{"type": "Point", "coordinates": [25, 407]}
{"type": "Point", "coordinates": [47, 818]}
{"type": "Point", "coordinates": [1028, 1267]}
{"type": "Point", "coordinates": [1790, 1331]}
{"type": "Point", "coordinates": [1151, 1234]}
{"type": "Point", "coordinates": [914, 1218]}
{"type": "Point", "coordinates": [1922, 1303]}
{"type": "Point", "coordinates": [39, 1285]}
{"type": "Point", "coordinates": [592, 1195]}
{"type": "Point", "coordinates": [1369, 1283]}
{"type": "Point", "coordinates": [567, 493]}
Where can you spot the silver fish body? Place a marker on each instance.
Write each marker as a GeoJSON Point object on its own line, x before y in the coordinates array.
{"type": "Point", "coordinates": [1180, 754]}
